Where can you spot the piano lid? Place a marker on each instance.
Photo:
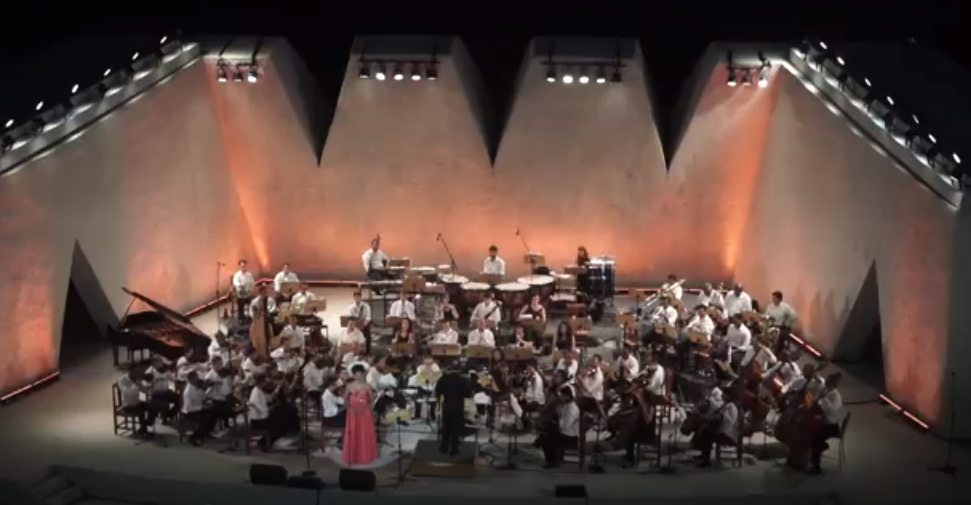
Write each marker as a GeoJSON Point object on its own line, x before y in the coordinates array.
{"type": "Point", "coordinates": [173, 316]}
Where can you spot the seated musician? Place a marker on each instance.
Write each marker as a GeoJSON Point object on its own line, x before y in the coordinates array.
{"type": "Point", "coordinates": [162, 399]}
{"type": "Point", "coordinates": [701, 323]}
{"type": "Point", "coordinates": [446, 335]}
{"type": "Point", "coordinates": [630, 338]}
{"type": "Point", "coordinates": [332, 405]}
{"type": "Point", "coordinates": [252, 367]}
{"type": "Point", "coordinates": [592, 380]}
{"type": "Point", "coordinates": [263, 301]}
{"type": "Point", "coordinates": [403, 308]}
{"type": "Point", "coordinates": [299, 300]}
{"type": "Point", "coordinates": [655, 375]}
{"type": "Point", "coordinates": [782, 316]}
{"type": "Point", "coordinates": [568, 364]}
{"type": "Point", "coordinates": [809, 382]}
{"type": "Point", "coordinates": [666, 313]}
{"type": "Point", "coordinates": [295, 336]}
{"type": "Point", "coordinates": [564, 339]}
{"type": "Point", "coordinates": [350, 335]}
{"type": "Point", "coordinates": [258, 407]}
{"type": "Point", "coordinates": [481, 336]}
{"type": "Point", "coordinates": [493, 264]}
{"type": "Point", "coordinates": [830, 405]}
{"type": "Point", "coordinates": [131, 388]}
{"type": "Point", "coordinates": [534, 391]}
{"type": "Point", "coordinates": [243, 285]}
{"type": "Point", "coordinates": [288, 360]}
{"type": "Point", "coordinates": [710, 297]}
{"type": "Point", "coordinates": [284, 276]}
{"type": "Point", "coordinates": [583, 279]}
{"type": "Point", "coordinates": [384, 384]}
{"type": "Point", "coordinates": [375, 262]}
{"type": "Point", "coordinates": [194, 409]}
{"type": "Point", "coordinates": [220, 384]}
{"type": "Point", "coordinates": [488, 310]}
{"type": "Point", "coordinates": [404, 333]}
{"type": "Point", "coordinates": [627, 366]}
{"type": "Point", "coordinates": [720, 426]}
{"type": "Point", "coordinates": [446, 311]}
{"type": "Point", "coordinates": [639, 424]}
{"type": "Point", "coordinates": [425, 378]}
{"type": "Point", "coordinates": [535, 311]}
{"type": "Point", "coordinates": [761, 353]}
{"type": "Point", "coordinates": [786, 370]}
{"type": "Point", "coordinates": [314, 376]}
{"type": "Point", "coordinates": [355, 357]}
{"type": "Point", "coordinates": [519, 338]}
{"type": "Point", "coordinates": [187, 364]}
{"type": "Point", "coordinates": [568, 429]}
{"type": "Point", "coordinates": [672, 287]}
{"type": "Point", "coordinates": [361, 312]}
{"type": "Point", "coordinates": [738, 340]}
{"type": "Point", "coordinates": [219, 346]}
{"type": "Point", "coordinates": [737, 301]}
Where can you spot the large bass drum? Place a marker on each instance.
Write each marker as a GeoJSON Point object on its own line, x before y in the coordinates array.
{"type": "Point", "coordinates": [602, 271]}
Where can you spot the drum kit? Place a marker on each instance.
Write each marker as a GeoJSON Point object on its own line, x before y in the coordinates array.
{"type": "Point", "coordinates": [603, 272]}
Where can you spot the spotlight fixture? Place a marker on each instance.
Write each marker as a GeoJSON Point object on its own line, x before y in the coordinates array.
{"type": "Point", "coordinates": [75, 88]}
{"type": "Point", "coordinates": [238, 74]}
{"type": "Point", "coordinates": [551, 75]}
{"type": "Point", "coordinates": [40, 105]}
{"type": "Point", "coordinates": [601, 76]}
{"type": "Point", "coordinates": [380, 75]}
{"type": "Point", "coordinates": [416, 72]}
{"type": "Point", "coordinates": [584, 78]}
{"type": "Point", "coordinates": [398, 74]}
{"type": "Point", "coordinates": [732, 81]}
{"type": "Point", "coordinates": [221, 74]}
{"type": "Point", "coordinates": [567, 77]}
{"type": "Point", "coordinates": [163, 40]}
{"type": "Point", "coordinates": [746, 78]}
{"type": "Point", "coordinates": [253, 75]}
{"type": "Point", "coordinates": [8, 124]}
{"type": "Point", "coordinates": [431, 71]}
{"type": "Point", "coordinates": [364, 71]}
{"type": "Point", "coordinates": [135, 56]}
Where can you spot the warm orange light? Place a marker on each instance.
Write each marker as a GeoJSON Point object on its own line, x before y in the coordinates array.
{"type": "Point", "coordinates": [33, 385]}
{"type": "Point", "coordinates": [904, 412]}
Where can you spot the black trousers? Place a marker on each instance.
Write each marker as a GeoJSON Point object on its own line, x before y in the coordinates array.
{"type": "Point", "coordinates": [221, 409]}
{"type": "Point", "coordinates": [818, 444]}
{"type": "Point", "coordinates": [336, 421]}
{"type": "Point", "coordinates": [554, 446]}
{"type": "Point", "coordinates": [204, 421]}
{"type": "Point", "coordinates": [706, 439]}
{"type": "Point", "coordinates": [163, 404]}
{"type": "Point", "coordinates": [783, 340]}
{"type": "Point", "coordinates": [644, 433]}
{"type": "Point", "coordinates": [241, 304]}
{"type": "Point", "coordinates": [427, 398]}
{"type": "Point", "coordinates": [453, 429]}
{"type": "Point", "coordinates": [144, 416]}
{"type": "Point", "coordinates": [366, 331]}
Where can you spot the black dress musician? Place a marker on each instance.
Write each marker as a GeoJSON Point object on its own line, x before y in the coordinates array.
{"type": "Point", "coordinates": [446, 310]}
{"type": "Point", "coordinates": [453, 389]}
{"type": "Point", "coordinates": [720, 426]}
{"type": "Point", "coordinates": [567, 432]}
{"type": "Point", "coordinates": [583, 279]}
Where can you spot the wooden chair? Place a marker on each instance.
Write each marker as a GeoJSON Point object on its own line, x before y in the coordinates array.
{"type": "Point", "coordinates": [738, 446]}
{"type": "Point", "coordinates": [250, 434]}
{"type": "Point", "coordinates": [124, 423]}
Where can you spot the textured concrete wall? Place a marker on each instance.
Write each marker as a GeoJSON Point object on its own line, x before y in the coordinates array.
{"type": "Point", "coordinates": [827, 206]}
{"type": "Point", "coordinates": [146, 196]}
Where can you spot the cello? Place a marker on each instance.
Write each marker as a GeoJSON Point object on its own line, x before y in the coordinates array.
{"type": "Point", "coordinates": [747, 391]}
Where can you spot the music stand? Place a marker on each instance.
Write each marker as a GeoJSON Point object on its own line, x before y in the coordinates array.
{"type": "Point", "coordinates": [287, 289]}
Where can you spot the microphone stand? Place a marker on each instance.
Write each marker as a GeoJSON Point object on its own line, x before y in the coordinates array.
{"type": "Point", "coordinates": [441, 238]}
{"type": "Point", "coordinates": [532, 259]}
{"type": "Point", "coordinates": [948, 467]}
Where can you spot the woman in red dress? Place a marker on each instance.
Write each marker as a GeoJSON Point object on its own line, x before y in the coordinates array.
{"type": "Point", "coordinates": [360, 440]}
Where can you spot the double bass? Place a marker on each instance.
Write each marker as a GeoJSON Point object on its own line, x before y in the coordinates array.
{"type": "Point", "coordinates": [797, 423]}
{"type": "Point", "coordinates": [748, 386]}
{"type": "Point", "coordinates": [638, 411]}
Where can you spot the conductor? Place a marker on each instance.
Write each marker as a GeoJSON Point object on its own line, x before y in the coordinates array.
{"type": "Point", "coordinates": [453, 389]}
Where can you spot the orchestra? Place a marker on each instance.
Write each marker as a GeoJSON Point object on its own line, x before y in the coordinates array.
{"type": "Point", "coordinates": [497, 353]}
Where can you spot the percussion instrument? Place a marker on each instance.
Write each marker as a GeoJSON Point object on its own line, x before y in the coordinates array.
{"type": "Point", "coordinates": [453, 285]}
{"type": "Point", "coordinates": [430, 274]}
{"type": "Point", "coordinates": [445, 269]}
{"type": "Point", "coordinates": [542, 285]}
{"type": "Point", "coordinates": [602, 270]}
{"type": "Point", "coordinates": [397, 271]}
{"type": "Point", "coordinates": [473, 293]}
{"type": "Point", "coordinates": [513, 294]}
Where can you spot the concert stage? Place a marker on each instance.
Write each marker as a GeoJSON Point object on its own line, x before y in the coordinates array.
{"type": "Point", "coordinates": [70, 423]}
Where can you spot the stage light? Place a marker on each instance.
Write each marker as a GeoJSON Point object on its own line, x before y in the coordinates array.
{"type": "Point", "coordinates": [584, 78]}
{"type": "Point", "coordinates": [763, 81]}
{"type": "Point", "coordinates": [956, 158]}
{"type": "Point", "coordinates": [221, 74]}
{"type": "Point", "coordinates": [364, 72]}
{"type": "Point", "coordinates": [616, 78]}
{"type": "Point", "coordinates": [431, 71]}
{"type": "Point", "coordinates": [238, 74]}
{"type": "Point", "coordinates": [601, 76]}
{"type": "Point", "coordinates": [398, 74]}
{"type": "Point", "coordinates": [107, 72]}
{"type": "Point", "coordinates": [567, 78]}
{"type": "Point", "coordinates": [163, 40]}
{"type": "Point", "coordinates": [40, 105]}
{"type": "Point", "coordinates": [867, 82]}
{"type": "Point", "coordinates": [415, 72]}
{"type": "Point", "coordinates": [914, 117]}
{"type": "Point", "coordinates": [824, 46]}
{"type": "Point", "coordinates": [134, 56]}
{"type": "Point", "coordinates": [840, 61]}
{"type": "Point", "coordinates": [890, 100]}
{"type": "Point", "coordinates": [380, 75]}
{"type": "Point", "coordinates": [74, 89]}
{"type": "Point", "coordinates": [253, 76]}
{"type": "Point", "coordinates": [551, 75]}
{"type": "Point", "coordinates": [746, 78]}
{"type": "Point", "coordinates": [8, 124]}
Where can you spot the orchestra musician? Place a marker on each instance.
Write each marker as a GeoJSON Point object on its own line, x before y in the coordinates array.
{"type": "Point", "coordinates": [453, 389]}
{"type": "Point", "coordinates": [131, 387]}
{"type": "Point", "coordinates": [446, 335]}
{"type": "Point", "coordinates": [666, 313]}
{"type": "Point", "coordinates": [488, 310]}
{"type": "Point", "coordinates": [243, 285]}
{"type": "Point", "coordinates": [627, 366]}
{"type": "Point", "coordinates": [534, 310]}
{"type": "Point", "coordinates": [583, 278]}
{"type": "Point", "coordinates": [630, 339]}
{"type": "Point", "coordinates": [404, 307]}
{"type": "Point", "coordinates": [638, 415]}
{"type": "Point", "coordinates": [592, 379]}
{"type": "Point", "coordinates": [701, 322]}
{"type": "Point", "coordinates": [564, 339]}
{"type": "Point", "coordinates": [785, 369]}
{"type": "Point", "coordinates": [350, 336]}
{"type": "Point", "coordinates": [263, 303]}
{"type": "Point", "coordinates": [710, 297]}
{"type": "Point", "coordinates": [519, 337]}
{"type": "Point", "coordinates": [737, 341]}
{"type": "Point", "coordinates": [425, 378]}
{"type": "Point", "coordinates": [218, 346]}
{"type": "Point", "coordinates": [568, 428]}
{"type": "Point", "coordinates": [719, 425]}
{"type": "Point", "coordinates": [288, 360]}
{"type": "Point", "coordinates": [830, 406]}
{"type": "Point", "coordinates": [446, 310]}
{"type": "Point", "coordinates": [481, 335]}
{"type": "Point", "coordinates": [361, 312]}
{"type": "Point", "coordinates": [295, 336]}
{"type": "Point", "coordinates": [737, 301]}
{"type": "Point", "coordinates": [809, 382]}
{"type": "Point", "coordinates": [162, 400]}
{"type": "Point", "coordinates": [534, 392]}
{"type": "Point", "coordinates": [568, 364]}
{"type": "Point", "coordinates": [375, 261]}
{"type": "Point", "coordinates": [761, 353]}
{"type": "Point", "coordinates": [654, 375]}
{"type": "Point", "coordinates": [253, 366]}
{"type": "Point", "coordinates": [332, 405]}
{"type": "Point", "coordinates": [194, 409]}
{"type": "Point", "coordinates": [672, 287]}
{"type": "Point", "coordinates": [493, 264]}
{"type": "Point", "coordinates": [284, 276]}
{"type": "Point", "coordinates": [404, 333]}
{"type": "Point", "coordinates": [219, 384]}
{"type": "Point", "coordinates": [186, 364]}
{"type": "Point", "coordinates": [314, 378]}
{"type": "Point", "coordinates": [782, 316]}
{"type": "Point", "coordinates": [299, 300]}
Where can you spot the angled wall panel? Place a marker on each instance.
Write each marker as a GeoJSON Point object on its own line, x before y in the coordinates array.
{"type": "Point", "coordinates": [827, 206]}
{"type": "Point", "coordinates": [582, 165]}
{"type": "Point", "coordinates": [145, 195]}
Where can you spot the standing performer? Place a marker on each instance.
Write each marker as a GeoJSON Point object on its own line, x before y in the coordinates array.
{"type": "Point", "coordinates": [375, 263]}
{"type": "Point", "coordinates": [583, 279]}
{"type": "Point", "coordinates": [360, 439]}
{"type": "Point", "coordinates": [452, 390]}
{"type": "Point", "coordinates": [782, 316]}
{"type": "Point", "coordinates": [493, 264]}
{"type": "Point", "coordinates": [243, 284]}
{"type": "Point", "coordinates": [361, 313]}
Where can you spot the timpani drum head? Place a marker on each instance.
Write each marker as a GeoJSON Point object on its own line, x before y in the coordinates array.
{"type": "Point", "coordinates": [536, 280]}
{"type": "Point", "coordinates": [444, 268]}
{"type": "Point", "coordinates": [454, 279]}
{"type": "Point", "coordinates": [475, 286]}
{"type": "Point", "coordinates": [422, 270]}
{"type": "Point", "coordinates": [512, 287]}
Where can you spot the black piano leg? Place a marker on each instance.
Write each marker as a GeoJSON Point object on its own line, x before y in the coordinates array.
{"type": "Point", "coordinates": [115, 358]}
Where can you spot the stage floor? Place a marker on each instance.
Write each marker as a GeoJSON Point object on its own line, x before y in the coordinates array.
{"type": "Point", "coordinates": [70, 423]}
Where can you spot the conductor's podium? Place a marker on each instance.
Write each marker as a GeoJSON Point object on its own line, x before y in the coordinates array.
{"type": "Point", "coordinates": [428, 461]}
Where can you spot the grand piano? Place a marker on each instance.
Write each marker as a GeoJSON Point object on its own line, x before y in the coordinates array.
{"type": "Point", "coordinates": [159, 330]}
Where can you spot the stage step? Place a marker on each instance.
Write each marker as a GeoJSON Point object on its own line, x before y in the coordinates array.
{"type": "Point", "coordinates": [65, 497]}
{"type": "Point", "coordinates": [429, 462]}
{"type": "Point", "coordinates": [50, 486]}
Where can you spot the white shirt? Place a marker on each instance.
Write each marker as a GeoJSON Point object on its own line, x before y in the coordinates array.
{"type": "Point", "coordinates": [488, 310]}
{"type": "Point", "coordinates": [283, 277]}
{"type": "Point", "coordinates": [570, 419]}
{"type": "Point", "coordinates": [373, 378]}
{"type": "Point", "coordinates": [220, 387]}
{"type": "Point", "coordinates": [593, 384]}
{"type": "Point", "coordinates": [714, 299]}
{"type": "Point", "coordinates": [259, 409]}
{"type": "Point", "coordinates": [299, 300]}
{"type": "Point", "coordinates": [494, 266]}
{"type": "Point", "coordinates": [243, 282]}
{"type": "Point", "coordinates": [655, 382]}
{"type": "Point", "coordinates": [570, 368]}
{"type": "Point", "coordinates": [130, 392]}
{"type": "Point", "coordinates": [351, 336]}
{"type": "Point", "coordinates": [402, 309]}
{"type": "Point", "coordinates": [765, 357]}
{"type": "Point", "coordinates": [702, 324]}
{"type": "Point", "coordinates": [483, 338]}
{"type": "Point", "coordinates": [667, 315]}
{"type": "Point", "coordinates": [217, 350]}
{"type": "Point", "coordinates": [161, 381]}
{"type": "Point", "coordinates": [629, 367]}
{"type": "Point", "coordinates": [814, 388]}
{"type": "Point", "coordinates": [534, 389]}
{"type": "Point", "coordinates": [781, 314]}
{"type": "Point", "coordinates": [673, 289]}
{"type": "Point", "coordinates": [428, 369]}
{"type": "Point", "coordinates": [445, 337]}
{"type": "Point", "coordinates": [738, 338]}
{"type": "Point", "coordinates": [374, 260]}
{"type": "Point", "coordinates": [251, 370]}
{"type": "Point", "coordinates": [313, 377]}
{"type": "Point", "coordinates": [289, 364]}
{"type": "Point", "coordinates": [787, 372]}
{"type": "Point", "coordinates": [831, 404]}
{"type": "Point", "coordinates": [360, 311]}
{"type": "Point", "coordinates": [183, 368]}
{"type": "Point", "coordinates": [729, 421]}
{"type": "Point", "coordinates": [331, 403]}
{"type": "Point", "coordinates": [737, 304]}
{"type": "Point", "coordinates": [295, 334]}
{"type": "Point", "coordinates": [193, 399]}
{"type": "Point", "coordinates": [257, 304]}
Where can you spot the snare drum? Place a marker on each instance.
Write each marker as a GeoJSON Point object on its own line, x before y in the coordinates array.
{"type": "Point", "coordinates": [473, 293]}
{"type": "Point", "coordinates": [513, 294]}
{"type": "Point", "coordinates": [602, 271]}
{"type": "Point", "coordinates": [427, 273]}
{"type": "Point", "coordinates": [542, 285]}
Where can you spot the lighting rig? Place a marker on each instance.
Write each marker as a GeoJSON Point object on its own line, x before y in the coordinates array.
{"type": "Point", "coordinates": [50, 115]}
{"type": "Point", "coordinates": [584, 72]}
{"type": "Point", "coordinates": [905, 128]}
{"type": "Point", "coordinates": [747, 74]}
{"type": "Point", "coordinates": [244, 71]}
